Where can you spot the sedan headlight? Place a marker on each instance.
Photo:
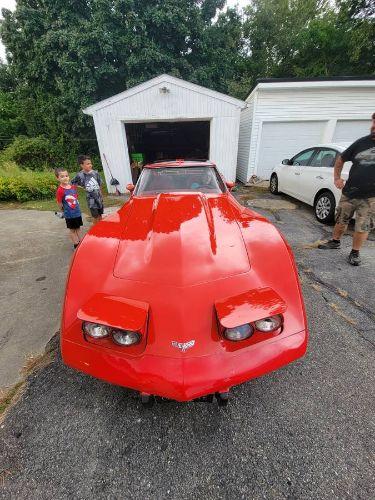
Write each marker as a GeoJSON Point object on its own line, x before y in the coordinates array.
{"type": "Point", "coordinates": [95, 330]}
{"type": "Point", "coordinates": [268, 324]}
{"type": "Point", "coordinates": [125, 337]}
{"type": "Point", "coordinates": [240, 332]}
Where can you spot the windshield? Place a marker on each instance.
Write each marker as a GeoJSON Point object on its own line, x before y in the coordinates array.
{"type": "Point", "coordinates": [164, 180]}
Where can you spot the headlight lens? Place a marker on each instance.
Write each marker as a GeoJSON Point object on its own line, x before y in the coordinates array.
{"type": "Point", "coordinates": [240, 332]}
{"type": "Point", "coordinates": [95, 330]}
{"type": "Point", "coordinates": [126, 338]}
{"type": "Point", "coordinates": [268, 324]}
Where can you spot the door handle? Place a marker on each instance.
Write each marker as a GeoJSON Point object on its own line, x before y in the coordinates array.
{"type": "Point", "coordinates": [319, 177]}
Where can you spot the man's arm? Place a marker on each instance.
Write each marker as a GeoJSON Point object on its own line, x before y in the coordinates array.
{"type": "Point", "coordinates": [339, 163]}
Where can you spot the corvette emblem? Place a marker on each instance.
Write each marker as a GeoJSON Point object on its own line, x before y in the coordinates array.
{"type": "Point", "coordinates": [183, 346]}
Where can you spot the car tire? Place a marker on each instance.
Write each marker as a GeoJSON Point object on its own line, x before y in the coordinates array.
{"type": "Point", "coordinates": [274, 184]}
{"type": "Point", "coordinates": [324, 207]}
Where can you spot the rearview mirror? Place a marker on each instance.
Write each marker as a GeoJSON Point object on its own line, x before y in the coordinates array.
{"type": "Point", "coordinates": [286, 162]}
{"type": "Point", "coordinates": [130, 187]}
{"type": "Point", "coordinates": [230, 185]}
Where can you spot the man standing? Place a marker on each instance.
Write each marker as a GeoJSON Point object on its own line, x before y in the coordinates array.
{"type": "Point", "coordinates": [358, 194]}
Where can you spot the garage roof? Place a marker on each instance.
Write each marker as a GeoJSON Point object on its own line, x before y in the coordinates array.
{"type": "Point", "coordinates": [160, 80]}
{"type": "Point", "coordinates": [318, 82]}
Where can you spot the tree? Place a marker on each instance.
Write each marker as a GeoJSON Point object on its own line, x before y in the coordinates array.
{"type": "Point", "coordinates": [11, 123]}
{"type": "Point", "coordinates": [307, 38]}
{"type": "Point", "coordinates": [66, 54]}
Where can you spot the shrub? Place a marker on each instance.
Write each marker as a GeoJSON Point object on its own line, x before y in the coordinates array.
{"type": "Point", "coordinates": [25, 185]}
{"type": "Point", "coordinates": [34, 153]}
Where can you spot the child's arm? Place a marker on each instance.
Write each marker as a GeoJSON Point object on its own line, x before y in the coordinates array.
{"type": "Point", "coordinates": [59, 197]}
{"type": "Point", "coordinates": [77, 181]}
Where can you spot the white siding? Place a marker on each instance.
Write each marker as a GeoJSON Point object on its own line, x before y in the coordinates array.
{"type": "Point", "coordinates": [290, 138]}
{"type": "Point", "coordinates": [350, 130]}
{"type": "Point", "coordinates": [244, 140]}
{"type": "Point", "coordinates": [180, 103]}
{"type": "Point", "coordinates": [224, 144]}
{"type": "Point", "coordinates": [304, 104]}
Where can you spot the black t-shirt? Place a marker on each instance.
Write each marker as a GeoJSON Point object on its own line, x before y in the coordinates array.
{"type": "Point", "coordinates": [361, 181]}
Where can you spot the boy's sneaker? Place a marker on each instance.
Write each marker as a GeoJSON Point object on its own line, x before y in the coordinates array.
{"type": "Point", "coordinates": [354, 259]}
{"type": "Point", "coordinates": [330, 245]}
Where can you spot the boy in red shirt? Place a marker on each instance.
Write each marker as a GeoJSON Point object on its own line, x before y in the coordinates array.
{"type": "Point", "coordinates": [67, 199]}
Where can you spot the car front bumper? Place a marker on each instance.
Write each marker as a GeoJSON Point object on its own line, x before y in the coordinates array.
{"type": "Point", "coordinates": [184, 378]}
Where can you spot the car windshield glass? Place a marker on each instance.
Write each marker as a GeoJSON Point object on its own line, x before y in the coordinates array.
{"type": "Point", "coordinates": [164, 180]}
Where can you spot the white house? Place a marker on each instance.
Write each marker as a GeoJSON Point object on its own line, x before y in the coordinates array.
{"type": "Point", "coordinates": [166, 117]}
{"type": "Point", "coordinates": [285, 116]}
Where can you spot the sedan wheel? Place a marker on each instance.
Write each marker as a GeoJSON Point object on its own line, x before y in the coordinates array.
{"type": "Point", "coordinates": [325, 207]}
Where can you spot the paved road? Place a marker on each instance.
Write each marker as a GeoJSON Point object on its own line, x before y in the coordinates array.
{"type": "Point", "coordinates": [306, 431]}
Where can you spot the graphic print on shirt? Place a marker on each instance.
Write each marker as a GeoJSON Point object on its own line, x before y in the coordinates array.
{"type": "Point", "coordinates": [366, 158]}
{"type": "Point", "coordinates": [71, 201]}
{"type": "Point", "coordinates": [68, 198]}
{"type": "Point", "coordinates": [92, 185]}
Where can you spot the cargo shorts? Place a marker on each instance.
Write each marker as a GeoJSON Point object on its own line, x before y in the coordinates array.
{"type": "Point", "coordinates": [364, 209]}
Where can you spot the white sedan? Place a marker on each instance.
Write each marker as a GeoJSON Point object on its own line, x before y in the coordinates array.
{"type": "Point", "coordinates": [308, 176]}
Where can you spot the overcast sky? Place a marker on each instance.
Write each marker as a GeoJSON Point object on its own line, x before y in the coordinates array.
{"type": "Point", "coordinates": [10, 4]}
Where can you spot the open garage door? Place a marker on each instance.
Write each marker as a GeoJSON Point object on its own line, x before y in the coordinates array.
{"type": "Point", "coordinates": [351, 130]}
{"type": "Point", "coordinates": [169, 140]}
{"type": "Point", "coordinates": [281, 140]}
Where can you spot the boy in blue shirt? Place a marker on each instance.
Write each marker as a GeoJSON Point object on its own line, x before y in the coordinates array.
{"type": "Point", "coordinates": [67, 199]}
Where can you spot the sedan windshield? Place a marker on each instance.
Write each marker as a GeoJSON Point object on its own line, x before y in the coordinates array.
{"type": "Point", "coordinates": [164, 180]}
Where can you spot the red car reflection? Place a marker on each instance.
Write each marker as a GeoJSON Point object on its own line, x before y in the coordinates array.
{"type": "Point", "coordinates": [183, 293]}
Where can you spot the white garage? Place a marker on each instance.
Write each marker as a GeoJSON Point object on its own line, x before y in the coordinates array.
{"type": "Point", "coordinates": [284, 116]}
{"type": "Point", "coordinates": [166, 118]}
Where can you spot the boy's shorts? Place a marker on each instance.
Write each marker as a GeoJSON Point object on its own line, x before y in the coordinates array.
{"type": "Point", "coordinates": [364, 209]}
{"type": "Point", "coordinates": [74, 222]}
{"type": "Point", "coordinates": [95, 211]}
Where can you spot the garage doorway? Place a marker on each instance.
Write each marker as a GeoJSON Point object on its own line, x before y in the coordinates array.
{"type": "Point", "coordinates": [156, 141]}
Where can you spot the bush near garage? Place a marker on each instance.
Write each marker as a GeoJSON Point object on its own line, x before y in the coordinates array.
{"type": "Point", "coordinates": [25, 185]}
{"type": "Point", "coordinates": [33, 153]}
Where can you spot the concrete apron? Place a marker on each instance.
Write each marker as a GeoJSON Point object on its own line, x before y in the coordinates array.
{"type": "Point", "coordinates": [35, 256]}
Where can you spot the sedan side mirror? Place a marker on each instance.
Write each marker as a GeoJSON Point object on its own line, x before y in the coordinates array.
{"type": "Point", "coordinates": [130, 187]}
{"type": "Point", "coordinates": [230, 185]}
{"type": "Point", "coordinates": [286, 162]}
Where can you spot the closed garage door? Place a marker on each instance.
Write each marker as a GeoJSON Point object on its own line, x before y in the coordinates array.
{"type": "Point", "coordinates": [283, 140]}
{"type": "Point", "coordinates": [351, 130]}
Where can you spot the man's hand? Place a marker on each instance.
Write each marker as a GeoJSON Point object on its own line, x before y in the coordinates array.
{"type": "Point", "coordinates": [339, 183]}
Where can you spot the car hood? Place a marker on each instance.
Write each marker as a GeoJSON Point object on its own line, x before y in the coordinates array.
{"type": "Point", "coordinates": [181, 240]}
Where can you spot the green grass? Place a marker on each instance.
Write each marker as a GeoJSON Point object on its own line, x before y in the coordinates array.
{"type": "Point", "coordinates": [10, 169]}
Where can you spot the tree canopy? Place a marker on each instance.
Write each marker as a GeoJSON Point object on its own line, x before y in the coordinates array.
{"type": "Point", "coordinates": [66, 54]}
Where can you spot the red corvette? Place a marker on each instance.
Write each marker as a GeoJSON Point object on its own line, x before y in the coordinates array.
{"type": "Point", "coordinates": [183, 293]}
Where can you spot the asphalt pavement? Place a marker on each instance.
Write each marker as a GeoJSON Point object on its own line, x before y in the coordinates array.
{"type": "Point", "coordinates": [305, 431]}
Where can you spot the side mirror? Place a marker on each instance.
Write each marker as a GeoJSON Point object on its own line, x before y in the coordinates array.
{"type": "Point", "coordinates": [286, 162]}
{"type": "Point", "coordinates": [130, 187]}
{"type": "Point", "coordinates": [230, 185]}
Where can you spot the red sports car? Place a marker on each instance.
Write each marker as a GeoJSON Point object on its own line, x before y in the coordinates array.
{"type": "Point", "coordinates": [183, 293]}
